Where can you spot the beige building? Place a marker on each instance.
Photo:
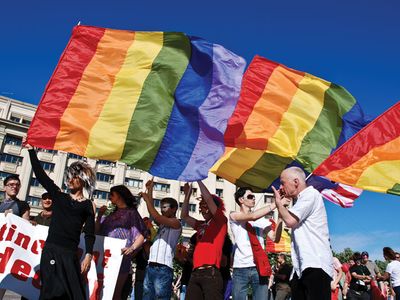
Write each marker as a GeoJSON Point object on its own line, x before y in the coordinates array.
{"type": "Point", "coordinates": [15, 118]}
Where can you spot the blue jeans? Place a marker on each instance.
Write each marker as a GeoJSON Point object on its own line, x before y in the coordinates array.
{"type": "Point", "coordinates": [158, 282]}
{"type": "Point", "coordinates": [242, 277]}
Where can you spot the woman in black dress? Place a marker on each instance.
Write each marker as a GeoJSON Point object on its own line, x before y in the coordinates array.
{"type": "Point", "coordinates": [60, 270]}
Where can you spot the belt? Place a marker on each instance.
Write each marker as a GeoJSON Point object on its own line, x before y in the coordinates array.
{"type": "Point", "coordinates": [203, 267]}
{"type": "Point", "coordinates": [154, 264]}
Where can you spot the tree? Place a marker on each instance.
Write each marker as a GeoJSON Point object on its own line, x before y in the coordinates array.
{"type": "Point", "coordinates": [345, 255]}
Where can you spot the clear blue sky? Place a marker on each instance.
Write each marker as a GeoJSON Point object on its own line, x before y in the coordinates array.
{"type": "Point", "coordinates": [352, 43]}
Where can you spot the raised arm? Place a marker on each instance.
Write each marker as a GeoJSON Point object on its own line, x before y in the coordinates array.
{"type": "Point", "coordinates": [40, 174]}
{"type": "Point", "coordinates": [207, 197]}
{"type": "Point", "coordinates": [160, 219]}
{"type": "Point", "coordinates": [252, 215]}
{"type": "Point", "coordinates": [185, 207]}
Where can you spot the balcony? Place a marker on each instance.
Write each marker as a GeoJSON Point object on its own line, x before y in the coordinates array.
{"type": "Point", "coordinates": [107, 169]}
{"type": "Point", "coordinates": [36, 191]}
{"type": "Point", "coordinates": [45, 156]}
{"type": "Point", "coordinates": [13, 149]}
{"type": "Point", "coordinates": [103, 185]}
{"type": "Point", "coordinates": [133, 173]}
{"type": "Point", "coordinates": [9, 167]}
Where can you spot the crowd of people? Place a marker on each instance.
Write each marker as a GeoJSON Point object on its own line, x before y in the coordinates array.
{"type": "Point", "coordinates": [215, 265]}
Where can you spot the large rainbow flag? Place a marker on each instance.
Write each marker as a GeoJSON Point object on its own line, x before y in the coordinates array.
{"type": "Point", "coordinates": [159, 101]}
{"type": "Point", "coordinates": [284, 118]}
{"type": "Point", "coordinates": [371, 159]}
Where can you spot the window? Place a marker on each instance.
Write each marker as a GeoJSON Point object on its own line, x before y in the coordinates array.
{"type": "Point", "coordinates": [3, 175]}
{"type": "Point", "coordinates": [47, 151]}
{"type": "Point", "coordinates": [26, 121]}
{"type": "Point", "coordinates": [267, 199]}
{"type": "Point", "coordinates": [34, 201]}
{"type": "Point", "coordinates": [15, 119]}
{"type": "Point", "coordinates": [104, 177]}
{"type": "Point", "coordinates": [101, 195]}
{"type": "Point", "coordinates": [219, 192]}
{"type": "Point", "coordinates": [192, 207]}
{"type": "Point", "coordinates": [75, 156]}
{"type": "Point", "coordinates": [35, 182]}
{"type": "Point", "coordinates": [13, 140]}
{"type": "Point", "coordinates": [157, 202]}
{"type": "Point", "coordinates": [136, 183]}
{"type": "Point", "coordinates": [47, 166]}
{"type": "Point", "coordinates": [220, 179]}
{"type": "Point", "coordinates": [104, 162]}
{"type": "Point", "coordinates": [194, 191]}
{"type": "Point", "coordinates": [11, 158]}
{"type": "Point", "coordinates": [161, 187]}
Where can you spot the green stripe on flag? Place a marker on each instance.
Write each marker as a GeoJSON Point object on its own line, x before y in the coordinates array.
{"type": "Point", "coordinates": [150, 118]}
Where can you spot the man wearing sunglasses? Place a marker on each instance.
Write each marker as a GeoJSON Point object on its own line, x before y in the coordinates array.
{"type": "Point", "coordinates": [245, 270]}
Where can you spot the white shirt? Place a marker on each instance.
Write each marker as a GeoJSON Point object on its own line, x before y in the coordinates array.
{"type": "Point", "coordinates": [243, 257]}
{"type": "Point", "coordinates": [310, 239]}
{"type": "Point", "coordinates": [163, 249]}
{"type": "Point", "coordinates": [393, 268]}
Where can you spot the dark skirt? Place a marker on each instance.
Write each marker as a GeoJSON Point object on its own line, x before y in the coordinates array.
{"type": "Point", "coordinates": [60, 274]}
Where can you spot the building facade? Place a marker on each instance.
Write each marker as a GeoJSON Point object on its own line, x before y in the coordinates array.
{"type": "Point", "coordinates": [15, 118]}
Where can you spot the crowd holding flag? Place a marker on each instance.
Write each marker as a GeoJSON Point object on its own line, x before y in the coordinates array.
{"type": "Point", "coordinates": [178, 107]}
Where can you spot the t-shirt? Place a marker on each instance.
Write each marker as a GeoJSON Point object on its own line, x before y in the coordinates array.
{"type": "Point", "coordinates": [18, 207]}
{"type": "Point", "coordinates": [393, 268]}
{"type": "Point", "coordinates": [163, 249]}
{"type": "Point", "coordinates": [210, 239]}
{"type": "Point", "coordinates": [39, 219]}
{"type": "Point", "coordinates": [372, 268]}
{"type": "Point", "coordinates": [356, 284]}
{"type": "Point", "coordinates": [243, 257]}
{"type": "Point", "coordinates": [310, 239]}
{"type": "Point", "coordinates": [286, 270]}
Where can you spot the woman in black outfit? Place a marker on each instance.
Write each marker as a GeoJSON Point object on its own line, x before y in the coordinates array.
{"type": "Point", "coordinates": [60, 270]}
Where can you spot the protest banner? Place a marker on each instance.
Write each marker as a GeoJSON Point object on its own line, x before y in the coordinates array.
{"type": "Point", "coordinates": [21, 246]}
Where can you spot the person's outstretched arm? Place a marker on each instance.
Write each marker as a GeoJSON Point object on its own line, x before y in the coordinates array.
{"type": "Point", "coordinates": [185, 207]}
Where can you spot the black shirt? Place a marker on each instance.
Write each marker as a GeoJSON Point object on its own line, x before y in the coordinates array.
{"type": "Point", "coordinates": [355, 284]}
{"type": "Point", "coordinates": [286, 270]}
{"type": "Point", "coordinates": [68, 215]}
{"type": "Point", "coordinates": [39, 219]}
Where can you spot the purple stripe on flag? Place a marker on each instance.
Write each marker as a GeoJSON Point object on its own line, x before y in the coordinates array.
{"type": "Point", "coordinates": [215, 112]}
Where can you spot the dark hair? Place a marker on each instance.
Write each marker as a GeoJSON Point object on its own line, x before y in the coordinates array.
{"type": "Point", "coordinates": [11, 177]}
{"type": "Point", "coordinates": [171, 201]}
{"type": "Point", "coordinates": [357, 256]}
{"type": "Point", "coordinates": [364, 253]}
{"type": "Point", "coordinates": [126, 195]}
{"type": "Point", "coordinates": [282, 255]}
{"type": "Point", "coordinates": [389, 253]}
{"type": "Point", "coordinates": [46, 196]}
{"type": "Point", "coordinates": [240, 193]}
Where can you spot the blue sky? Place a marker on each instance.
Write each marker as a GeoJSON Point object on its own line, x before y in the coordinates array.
{"type": "Point", "coordinates": [355, 44]}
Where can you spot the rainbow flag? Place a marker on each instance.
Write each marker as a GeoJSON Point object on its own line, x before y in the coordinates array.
{"type": "Point", "coordinates": [284, 118]}
{"type": "Point", "coordinates": [282, 246]}
{"type": "Point", "coordinates": [159, 101]}
{"type": "Point", "coordinates": [371, 159]}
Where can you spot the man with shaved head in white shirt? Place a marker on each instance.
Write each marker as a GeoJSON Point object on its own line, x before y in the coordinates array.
{"type": "Point", "coordinates": [311, 253]}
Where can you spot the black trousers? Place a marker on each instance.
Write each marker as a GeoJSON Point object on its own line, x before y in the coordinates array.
{"type": "Point", "coordinates": [205, 284]}
{"type": "Point", "coordinates": [314, 284]}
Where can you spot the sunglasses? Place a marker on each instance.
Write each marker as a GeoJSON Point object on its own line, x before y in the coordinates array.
{"type": "Point", "coordinates": [251, 197]}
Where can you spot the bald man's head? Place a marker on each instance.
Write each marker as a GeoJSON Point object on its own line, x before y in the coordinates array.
{"type": "Point", "coordinates": [293, 181]}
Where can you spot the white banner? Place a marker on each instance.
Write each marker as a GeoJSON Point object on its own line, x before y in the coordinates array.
{"type": "Point", "coordinates": [21, 245]}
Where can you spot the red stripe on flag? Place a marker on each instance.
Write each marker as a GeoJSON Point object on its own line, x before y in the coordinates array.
{"type": "Point", "coordinates": [345, 193]}
{"type": "Point", "coordinates": [60, 89]}
{"type": "Point", "coordinates": [382, 130]}
{"type": "Point", "coordinates": [253, 85]}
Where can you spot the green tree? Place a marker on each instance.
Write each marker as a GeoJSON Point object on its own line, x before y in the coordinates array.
{"type": "Point", "coordinates": [345, 255]}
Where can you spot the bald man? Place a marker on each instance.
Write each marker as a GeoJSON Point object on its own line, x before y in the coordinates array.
{"type": "Point", "coordinates": [311, 253]}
